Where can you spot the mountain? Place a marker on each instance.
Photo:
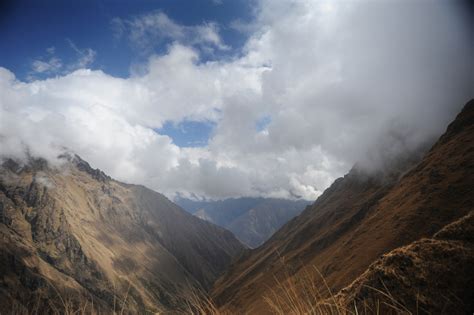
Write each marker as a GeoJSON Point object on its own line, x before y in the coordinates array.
{"type": "Point", "coordinates": [364, 215]}
{"type": "Point", "coordinates": [69, 232]}
{"type": "Point", "coordinates": [252, 220]}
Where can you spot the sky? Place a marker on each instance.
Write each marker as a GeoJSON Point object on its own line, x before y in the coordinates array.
{"type": "Point", "coordinates": [218, 98]}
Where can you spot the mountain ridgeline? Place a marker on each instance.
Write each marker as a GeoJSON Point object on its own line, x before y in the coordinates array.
{"type": "Point", "coordinates": [71, 231]}
{"type": "Point", "coordinates": [252, 220]}
{"type": "Point", "coordinates": [405, 233]}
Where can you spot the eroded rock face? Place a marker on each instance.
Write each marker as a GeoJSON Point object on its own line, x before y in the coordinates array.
{"type": "Point", "coordinates": [73, 231]}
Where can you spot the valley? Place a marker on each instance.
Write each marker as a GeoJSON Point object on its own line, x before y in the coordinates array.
{"type": "Point", "coordinates": [252, 220]}
{"type": "Point", "coordinates": [401, 236]}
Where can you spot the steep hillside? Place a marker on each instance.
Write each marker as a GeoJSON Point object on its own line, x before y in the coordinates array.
{"type": "Point", "coordinates": [431, 275]}
{"type": "Point", "coordinates": [252, 220]}
{"type": "Point", "coordinates": [359, 218]}
{"type": "Point", "coordinates": [72, 231]}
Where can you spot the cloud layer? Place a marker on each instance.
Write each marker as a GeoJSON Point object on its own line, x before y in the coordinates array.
{"type": "Point", "coordinates": [335, 83]}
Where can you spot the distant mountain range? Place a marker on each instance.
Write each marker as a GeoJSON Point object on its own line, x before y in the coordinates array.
{"type": "Point", "coordinates": [252, 220]}
{"type": "Point", "coordinates": [71, 231]}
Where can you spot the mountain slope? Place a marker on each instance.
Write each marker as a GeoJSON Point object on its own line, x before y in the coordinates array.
{"type": "Point", "coordinates": [431, 275]}
{"type": "Point", "coordinates": [252, 220]}
{"type": "Point", "coordinates": [71, 230]}
{"type": "Point", "coordinates": [359, 218]}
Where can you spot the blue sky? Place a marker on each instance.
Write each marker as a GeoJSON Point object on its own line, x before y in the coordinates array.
{"type": "Point", "coordinates": [188, 133]}
{"type": "Point", "coordinates": [29, 27]}
{"type": "Point", "coordinates": [38, 30]}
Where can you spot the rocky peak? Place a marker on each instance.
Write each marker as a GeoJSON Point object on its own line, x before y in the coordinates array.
{"type": "Point", "coordinates": [83, 166]}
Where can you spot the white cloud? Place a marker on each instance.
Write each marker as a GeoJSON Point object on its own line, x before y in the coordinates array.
{"type": "Point", "coordinates": [335, 79]}
{"type": "Point", "coordinates": [52, 65]}
{"type": "Point", "coordinates": [85, 57]}
{"type": "Point", "coordinates": [47, 65]}
{"type": "Point", "coordinates": [149, 30]}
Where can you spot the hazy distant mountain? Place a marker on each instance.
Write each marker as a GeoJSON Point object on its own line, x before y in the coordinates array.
{"type": "Point", "coordinates": [252, 220]}
{"type": "Point", "coordinates": [72, 231]}
{"type": "Point", "coordinates": [406, 232]}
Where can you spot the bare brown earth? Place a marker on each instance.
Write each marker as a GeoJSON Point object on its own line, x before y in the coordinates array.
{"type": "Point", "coordinates": [358, 219]}
{"type": "Point", "coordinates": [70, 231]}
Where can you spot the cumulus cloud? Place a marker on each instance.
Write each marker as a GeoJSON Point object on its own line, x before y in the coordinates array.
{"type": "Point", "coordinates": [335, 83]}
{"type": "Point", "coordinates": [350, 76]}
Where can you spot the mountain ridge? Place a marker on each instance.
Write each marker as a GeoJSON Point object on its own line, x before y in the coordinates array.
{"type": "Point", "coordinates": [73, 229]}
{"type": "Point", "coordinates": [359, 218]}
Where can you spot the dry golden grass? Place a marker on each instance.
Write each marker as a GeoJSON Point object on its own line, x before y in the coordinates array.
{"type": "Point", "coordinates": [302, 295]}
{"type": "Point", "coordinates": [61, 303]}
{"type": "Point", "coordinates": [285, 299]}
{"type": "Point", "coordinates": [198, 302]}
{"type": "Point", "coordinates": [293, 296]}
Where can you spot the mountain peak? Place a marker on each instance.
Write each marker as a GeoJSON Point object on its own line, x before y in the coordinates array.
{"type": "Point", "coordinates": [83, 166]}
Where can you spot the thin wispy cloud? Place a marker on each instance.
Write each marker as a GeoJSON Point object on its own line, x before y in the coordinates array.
{"type": "Point", "coordinates": [51, 64]}
{"type": "Point", "coordinates": [148, 31]}
{"type": "Point", "coordinates": [85, 57]}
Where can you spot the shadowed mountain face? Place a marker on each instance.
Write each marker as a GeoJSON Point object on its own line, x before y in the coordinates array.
{"type": "Point", "coordinates": [71, 230]}
{"type": "Point", "coordinates": [362, 216]}
{"type": "Point", "coordinates": [252, 220]}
